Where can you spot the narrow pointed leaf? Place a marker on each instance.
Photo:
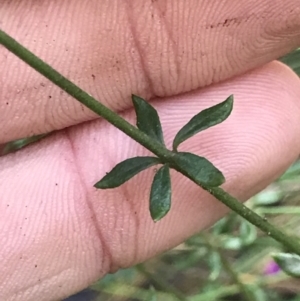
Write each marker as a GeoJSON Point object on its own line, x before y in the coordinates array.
{"type": "Point", "coordinates": [160, 195]}
{"type": "Point", "coordinates": [203, 120]}
{"type": "Point", "coordinates": [289, 263]}
{"type": "Point", "coordinates": [200, 169]}
{"type": "Point", "coordinates": [215, 265]}
{"type": "Point", "coordinates": [125, 170]}
{"type": "Point", "coordinates": [293, 60]}
{"type": "Point", "coordinates": [248, 233]}
{"type": "Point", "coordinates": [147, 119]}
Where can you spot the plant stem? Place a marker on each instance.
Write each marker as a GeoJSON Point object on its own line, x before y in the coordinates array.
{"type": "Point", "coordinates": [254, 218]}
{"type": "Point", "coordinates": [155, 147]}
{"type": "Point", "coordinates": [83, 97]}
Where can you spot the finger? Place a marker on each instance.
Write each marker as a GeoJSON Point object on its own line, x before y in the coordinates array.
{"type": "Point", "coordinates": [59, 234]}
{"type": "Point", "coordinates": [150, 48]}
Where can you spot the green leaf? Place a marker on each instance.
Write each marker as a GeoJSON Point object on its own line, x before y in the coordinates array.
{"type": "Point", "coordinates": [268, 197]}
{"type": "Point", "coordinates": [289, 263]}
{"type": "Point", "coordinates": [125, 171]}
{"type": "Point", "coordinates": [232, 243]}
{"type": "Point", "coordinates": [199, 169]}
{"type": "Point", "coordinates": [215, 265]}
{"type": "Point", "coordinates": [160, 196]}
{"type": "Point", "coordinates": [248, 233]}
{"type": "Point", "coordinates": [147, 119]}
{"type": "Point", "coordinates": [20, 143]}
{"type": "Point", "coordinates": [203, 120]}
{"type": "Point", "coordinates": [293, 60]}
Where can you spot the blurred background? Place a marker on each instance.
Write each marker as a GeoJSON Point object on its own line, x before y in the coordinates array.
{"type": "Point", "coordinates": [230, 261]}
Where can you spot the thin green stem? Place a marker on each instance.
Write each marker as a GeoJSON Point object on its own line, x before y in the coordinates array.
{"type": "Point", "coordinates": [152, 145]}
{"type": "Point", "coordinates": [83, 97]}
{"type": "Point", "coordinates": [255, 219]}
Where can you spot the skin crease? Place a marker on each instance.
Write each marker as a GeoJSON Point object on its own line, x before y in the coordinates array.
{"type": "Point", "coordinates": [58, 234]}
{"type": "Point", "coordinates": [115, 48]}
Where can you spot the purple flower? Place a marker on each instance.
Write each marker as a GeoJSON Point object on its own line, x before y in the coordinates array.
{"type": "Point", "coordinates": [271, 268]}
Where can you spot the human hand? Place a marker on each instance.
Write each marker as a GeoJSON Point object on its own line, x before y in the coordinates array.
{"type": "Point", "coordinates": [59, 234]}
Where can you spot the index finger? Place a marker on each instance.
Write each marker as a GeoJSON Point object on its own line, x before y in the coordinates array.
{"type": "Point", "coordinates": [114, 49]}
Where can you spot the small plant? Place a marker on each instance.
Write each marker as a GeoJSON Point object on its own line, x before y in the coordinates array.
{"type": "Point", "coordinates": [198, 167]}
{"type": "Point", "coordinates": [149, 134]}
